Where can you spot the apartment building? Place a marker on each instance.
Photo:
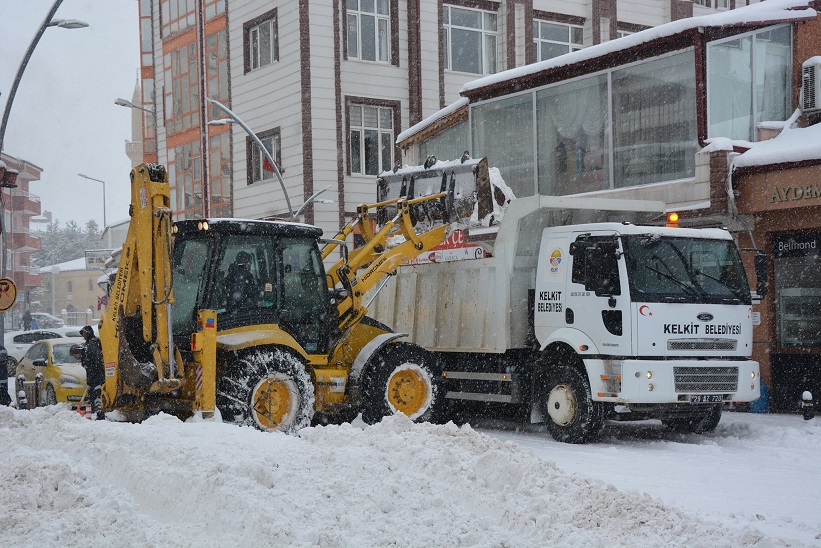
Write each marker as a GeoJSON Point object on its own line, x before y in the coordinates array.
{"type": "Point", "coordinates": [328, 86]}
{"type": "Point", "coordinates": [19, 205]}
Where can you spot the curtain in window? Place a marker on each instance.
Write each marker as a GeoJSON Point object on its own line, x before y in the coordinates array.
{"type": "Point", "coordinates": [748, 81]}
{"type": "Point", "coordinates": [729, 84]}
{"type": "Point", "coordinates": [503, 131]}
{"type": "Point", "coordinates": [573, 148]}
{"type": "Point", "coordinates": [654, 121]}
{"type": "Point", "coordinates": [772, 70]}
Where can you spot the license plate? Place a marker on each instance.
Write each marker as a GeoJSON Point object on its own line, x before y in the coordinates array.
{"type": "Point", "coordinates": [706, 398]}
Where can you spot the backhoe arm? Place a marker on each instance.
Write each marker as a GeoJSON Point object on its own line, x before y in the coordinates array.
{"type": "Point", "coordinates": [135, 329]}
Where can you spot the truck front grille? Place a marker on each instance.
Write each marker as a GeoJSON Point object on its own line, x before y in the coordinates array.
{"type": "Point", "coordinates": [702, 344]}
{"type": "Point", "coordinates": [706, 379]}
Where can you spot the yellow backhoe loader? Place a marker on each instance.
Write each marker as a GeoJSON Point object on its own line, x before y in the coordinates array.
{"type": "Point", "coordinates": [241, 316]}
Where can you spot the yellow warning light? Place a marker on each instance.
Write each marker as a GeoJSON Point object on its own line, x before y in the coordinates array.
{"type": "Point", "coordinates": [672, 220]}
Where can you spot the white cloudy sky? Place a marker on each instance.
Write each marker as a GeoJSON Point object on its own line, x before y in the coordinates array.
{"type": "Point", "coordinates": [63, 118]}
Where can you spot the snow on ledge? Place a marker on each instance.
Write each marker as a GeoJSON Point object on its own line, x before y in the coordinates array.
{"type": "Point", "coordinates": [791, 145]}
{"type": "Point", "coordinates": [438, 115]}
{"type": "Point", "coordinates": [769, 11]}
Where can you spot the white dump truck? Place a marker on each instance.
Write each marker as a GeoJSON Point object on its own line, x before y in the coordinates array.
{"type": "Point", "coordinates": [573, 322]}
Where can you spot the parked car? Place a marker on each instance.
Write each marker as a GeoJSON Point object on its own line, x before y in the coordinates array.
{"type": "Point", "coordinates": [49, 374]}
{"type": "Point", "coordinates": [45, 320]}
{"type": "Point", "coordinates": [17, 342]}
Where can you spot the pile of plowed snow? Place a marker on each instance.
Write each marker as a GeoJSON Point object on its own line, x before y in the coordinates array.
{"type": "Point", "coordinates": [69, 481]}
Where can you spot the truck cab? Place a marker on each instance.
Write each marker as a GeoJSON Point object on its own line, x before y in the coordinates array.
{"type": "Point", "coordinates": [645, 308]}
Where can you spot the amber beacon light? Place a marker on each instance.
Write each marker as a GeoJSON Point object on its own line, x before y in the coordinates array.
{"type": "Point", "coordinates": [672, 220]}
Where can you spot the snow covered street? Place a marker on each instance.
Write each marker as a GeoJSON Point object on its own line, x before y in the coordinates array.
{"type": "Point", "coordinates": [68, 481]}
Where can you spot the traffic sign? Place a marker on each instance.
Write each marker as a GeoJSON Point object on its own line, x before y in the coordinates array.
{"type": "Point", "coordinates": [8, 294]}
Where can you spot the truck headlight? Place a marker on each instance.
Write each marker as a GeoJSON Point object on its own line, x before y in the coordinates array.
{"type": "Point", "coordinates": [69, 381]}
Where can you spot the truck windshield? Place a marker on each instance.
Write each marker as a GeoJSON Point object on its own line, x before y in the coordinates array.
{"type": "Point", "coordinates": [663, 268]}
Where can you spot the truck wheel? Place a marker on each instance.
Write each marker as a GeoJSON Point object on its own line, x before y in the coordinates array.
{"type": "Point", "coordinates": [403, 378]}
{"type": "Point", "coordinates": [269, 390]}
{"type": "Point", "coordinates": [567, 407]}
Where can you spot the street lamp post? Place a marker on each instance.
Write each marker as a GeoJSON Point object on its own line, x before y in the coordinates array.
{"type": "Point", "coordinates": [49, 21]}
{"type": "Point", "coordinates": [99, 181]}
{"type": "Point", "coordinates": [262, 148]}
{"type": "Point", "coordinates": [128, 104]}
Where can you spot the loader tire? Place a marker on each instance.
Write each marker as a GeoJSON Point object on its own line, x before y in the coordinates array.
{"type": "Point", "coordinates": [568, 409]}
{"type": "Point", "coordinates": [403, 378]}
{"type": "Point", "coordinates": [269, 390]}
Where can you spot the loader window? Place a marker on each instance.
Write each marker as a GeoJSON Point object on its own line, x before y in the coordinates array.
{"type": "Point", "coordinates": [245, 278]}
{"type": "Point", "coordinates": [190, 260]}
{"type": "Point", "coordinates": [305, 301]}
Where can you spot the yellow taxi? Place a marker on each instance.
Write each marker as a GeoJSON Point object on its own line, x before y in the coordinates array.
{"type": "Point", "coordinates": [48, 374]}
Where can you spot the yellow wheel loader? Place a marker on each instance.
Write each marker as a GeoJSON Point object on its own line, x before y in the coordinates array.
{"type": "Point", "coordinates": [242, 316]}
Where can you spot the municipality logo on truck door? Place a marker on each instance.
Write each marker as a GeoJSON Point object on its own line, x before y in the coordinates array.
{"type": "Point", "coordinates": [555, 260]}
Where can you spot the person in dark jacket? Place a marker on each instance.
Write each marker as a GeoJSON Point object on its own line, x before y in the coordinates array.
{"type": "Point", "coordinates": [5, 397]}
{"type": "Point", "coordinates": [95, 371]}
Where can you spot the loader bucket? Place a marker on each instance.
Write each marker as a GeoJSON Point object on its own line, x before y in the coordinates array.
{"type": "Point", "coordinates": [466, 183]}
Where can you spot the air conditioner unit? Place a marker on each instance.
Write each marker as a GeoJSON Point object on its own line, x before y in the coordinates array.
{"type": "Point", "coordinates": [811, 86]}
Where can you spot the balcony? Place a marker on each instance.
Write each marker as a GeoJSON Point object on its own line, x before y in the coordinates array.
{"type": "Point", "coordinates": [25, 203]}
{"type": "Point", "coordinates": [21, 240]}
{"type": "Point", "coordinates": [25, 278]}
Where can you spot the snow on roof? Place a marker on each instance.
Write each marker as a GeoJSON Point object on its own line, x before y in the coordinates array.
{"type": "Point", "coordinates": [439, 114]}
{"type": "Point", "coordinates": [791, 145]}
{"type": "Point", "coordinates": [770, 11]}
{"type": "Point", "coordinates": [76, 264]}
{"type": "Point", "coordinates": [763, 12]}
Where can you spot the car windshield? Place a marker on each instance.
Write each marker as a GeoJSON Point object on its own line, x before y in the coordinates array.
{"type": "Point", "coordinates": [61, 354]}
{"type": "Point", "coordinates": [663, 268]}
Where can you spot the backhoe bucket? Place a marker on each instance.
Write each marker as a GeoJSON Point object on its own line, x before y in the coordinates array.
{"type": "Point", "coordinates": [465, 182]}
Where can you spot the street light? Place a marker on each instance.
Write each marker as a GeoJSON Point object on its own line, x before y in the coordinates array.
{"type": "Point", "coordinates": [126, 103]}
{"type": "Point", "coordinates": [47, 22]}
{"type": "Point", "coordinates": [99, 181]}
{"type": "Point", "coordinates": [313, 199]}
{"type": "Point", "coordinates": [264, 150]}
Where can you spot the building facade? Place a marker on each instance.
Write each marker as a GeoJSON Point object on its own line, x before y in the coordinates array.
{"type": "Point", "coordinates": [328, 86]}
{"type": "Point", "coordinates": [19, 205]}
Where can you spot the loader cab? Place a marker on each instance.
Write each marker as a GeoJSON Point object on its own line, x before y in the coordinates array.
{"type": "Point", "coordinates": [254, 274]}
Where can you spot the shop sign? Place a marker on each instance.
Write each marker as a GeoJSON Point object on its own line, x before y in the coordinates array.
{"type": "Point", "coordinates": [793, 193]}
{"type": "Point", "coordinates": [799, 244]}
{"type": "Point", "coordinates": [96, 258]}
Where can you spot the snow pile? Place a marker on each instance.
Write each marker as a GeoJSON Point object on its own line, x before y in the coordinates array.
{"type": "Point", "coordinates": [71, 481]}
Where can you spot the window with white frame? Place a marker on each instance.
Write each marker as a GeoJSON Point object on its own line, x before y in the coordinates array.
{"type": "Point", "coordinates": [469, 39]}
{"type": "Point", "coordinates": [554, 39]}
{"type": "Point", "coordinates": [749, 81]}
{"type": "Point", "coordinates": [371, 138]}
{"type": "Point", "coordinates": [623, 33]}
{"type": "Point", "coordinates": [261, 41]}
{"type": "Point", "coordinates": [260, 168]}
{"type": "Point", "coordinates": [723, 4]}
{"type": "Point", "coordinates": [368, 30]}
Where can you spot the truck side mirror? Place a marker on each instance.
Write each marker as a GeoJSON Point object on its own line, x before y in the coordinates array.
{"type": "Point", "coordinates": [761, 274]}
